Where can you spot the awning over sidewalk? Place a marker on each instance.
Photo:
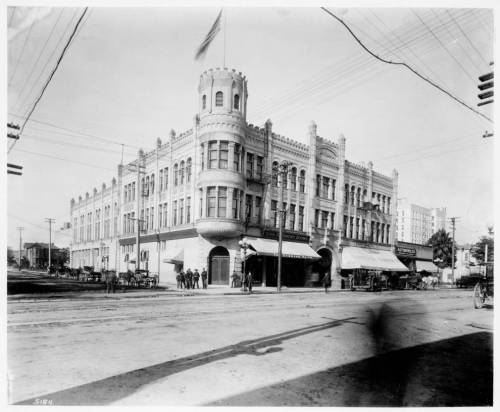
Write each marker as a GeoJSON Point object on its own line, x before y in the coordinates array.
{"type": "Point", "coordinates": [175, 256]}
{"type": "Point", "coordinates": [426, 266]}
{"type": "Point", "coordinates": [365, 258]}
{"type": "Point", "coordinates": [269, 247]}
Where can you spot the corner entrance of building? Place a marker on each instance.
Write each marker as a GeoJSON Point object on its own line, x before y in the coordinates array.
{"type": "Point", "coordinates": [218, 264]}
{"type": "Point", "coordinates": [322, 266]}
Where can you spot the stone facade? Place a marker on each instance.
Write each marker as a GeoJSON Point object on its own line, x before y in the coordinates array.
{"type": "Point", "coordinates": [201, 191]}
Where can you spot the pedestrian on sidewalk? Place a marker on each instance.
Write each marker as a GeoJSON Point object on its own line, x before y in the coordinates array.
{"type": "Point", "coordinates": [179, 282]}
{"type": "Point", "coordinates": [183, 279]}
{"type": "Point", "coordinates": [196, 279]}
{"type": "Point", "coordinates": [234, 277]}
{"type": "Point", "coordinates": [204, 277]}
{"type": "Point", "coordinates": [111, 280]}
{"type": "Point", "coordinates": [327, 280]}
{"type": "Point", "coordinates": [249, 280]}
{"type": "Point", "coordinates": [189, 279]}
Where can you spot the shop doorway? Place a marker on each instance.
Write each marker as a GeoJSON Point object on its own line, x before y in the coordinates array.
{"type": "Point", "coordinates": [218, 266]}
{"type": "Point", "coordinates": [321, 267]}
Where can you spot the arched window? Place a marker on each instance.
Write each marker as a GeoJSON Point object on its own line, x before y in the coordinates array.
{"type": "Point", "coordinates": [236, 102]}
{"type": "Point", "coordinates": [188, 170]}
{"type": "Point", "coordinates": [302, 184]}
{"type": "Point", "coordinates": [152, 182]}
{"type": "Point", "coordinates": [142, 187]}
{"type": "Point", "coordinates": [358, 197]}
{"type": "Point", "coordinates": [181, 172]}
{"type": "Point", "coordinates": [146, 188]}
{"type": "Point", "coordinates": [219, 99]}
{"type": "Point", "coordinates": [353, 191]}
{"type": "Point", "coordinates": [293, 178]}
{"type": "Point", "coordinates": [204, 102]}
{"type": "Point", "coordinates": [274, 175]}
{"type": "Point", "coordinates": [346, 193]}
{"type": "Point", "coordinates": [176, 174]}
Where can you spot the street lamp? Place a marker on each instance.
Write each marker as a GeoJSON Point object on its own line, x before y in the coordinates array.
{"type": "Point", "coordinates": [244, 245]}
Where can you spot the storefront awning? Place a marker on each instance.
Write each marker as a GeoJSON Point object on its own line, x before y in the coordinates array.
{"type": "Point", "coordinates": [175, 256]}
{"type": "Point", "coordinates": [426, 266]}
{"type": "Point", "coordinates": [365, 258]}
{"type": "Point", "coordinates": [269, 247]}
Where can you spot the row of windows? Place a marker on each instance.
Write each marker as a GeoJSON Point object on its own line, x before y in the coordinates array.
{"type": "Point", "coordinates": [182, 172]}
{"type": "Point", "coordinates": [90, 225]}
{"type": "Point", "coordinates": [325, 187]}
{"type": "Point", "coordinates": [289, 216]}
{"type": "Point", "coordinates": [355, 198]}
{"type": "Point", "coordinates": [324, 219]}
{"type": "Point", "coordinates": [219, 101]}
{"type": "Point", "coordinates": [286, 176]}
{"type": "Point", "coordinates": [379, 231]}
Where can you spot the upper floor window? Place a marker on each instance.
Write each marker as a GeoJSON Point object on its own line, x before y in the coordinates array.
{"type": "Point", "coordinates": [293, 178]}
{"type": "Point", "coordinates": [181, 172]}
{"type": "Point", "coordinates": [219, 99]}
{"type": "Point", "coordinates": [211, 201]}
{"type": "Point", "coordinates": [212, 155]}
{"type": "Point", "coordinates": [188, 170]}
{"type": "Point", "coordinates": [302, 183]}
{"type": "Point", "coordinates": [223, 154]}
{"type": "Point", "coordinates": [204, 102]}
{"type": "Point", "coordinates": [237, 154]}
{"type": "Point", "coordinates": [249, 165]}
{"type": "Point", "coordinates": [260, 167]}
{"type": "Point", "coordinates": [176, 174]}
{"type": "Point", "coordinates": [152, 183]}
{"type": "Point", "coordinates": [274, 174]}
{"type": "Point", "coordinates": [236, 102]}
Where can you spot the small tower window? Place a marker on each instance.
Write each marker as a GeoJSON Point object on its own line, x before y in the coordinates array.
{"type": "Point", "coordinates": [204, 102]}
{"type": "Point", "coordinates": [219, 98]}
{"type": "Point", "coordinates": [236, 102]}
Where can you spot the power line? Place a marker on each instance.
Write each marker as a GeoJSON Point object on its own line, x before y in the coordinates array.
{"type": "Point", "coordinates": [467, 37]}
{"type": "Point", "coordinates": [35, 65]}
{"type": "Point", "coordinates": [66, 160]}
{"type": "Point", "coordinates": [405, 65]}
{"type": "Point", "coordinates": [22, 52]}
{"type": "Point", "coordinates": [61, 38]}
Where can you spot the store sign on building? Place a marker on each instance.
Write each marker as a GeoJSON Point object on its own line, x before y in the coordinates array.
{"type": "Point", "coordinates": [405, 251]}
{"type": "Point", "coordinates": [290, 236]}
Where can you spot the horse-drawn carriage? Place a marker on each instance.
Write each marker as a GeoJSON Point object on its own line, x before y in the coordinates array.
{"type": "Point", "coordinates": [371, 280]}
{"type": "Point", "coordinates": [484, 287]}
{"type": "Point", "coordinates": [89, 275]}
{"type": "Point", "coordinates": [138, 278]}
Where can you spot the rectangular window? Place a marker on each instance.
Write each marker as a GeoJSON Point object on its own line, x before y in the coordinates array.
{"type": "Point", "coordinates": [181, 212]}
{"type": "Point", "coordinates": [188, 210]}
{"type": "Point", "coordinates": [301, 219]}
{"type": "Point", "coordinates": [317, 221]}
{"type": "Point", "coordinates": [326, 185]}
{"type": "Point", "coordinates": [202, 157]}
{"type": "Point", "coordinates": [248, 207]}
{"type": "Point", "coordinates": [165, 179]}
{"type": "Point", "coordinates": [332, 220]}
{"type": "Point", "coordinates": [291, 219]}
{"type": "Point", "coordinates": [235, 203]}
{"type": "Point", "coordinates": [357, 228]}
{"type": "Point", "coordinates": [388, 231]}
{"type": "Point", "coordinates": [258, 205]}
{"type": "Point", "coordinates": [125, 228]}
{"type": "Point", "coordinates": [351, 224]}
{"type": "Point", "coordinates": [161, 179]}
{"type": "Point", "coordinates": [222, 205]}
{"type": "Point", "coordinates": [260, 167]}
{"type": "Point", "coordinates": [212, 155]}
{"type": "Point", "coordinates": [302, 182]}
{"type": "Point", "coordinates": [165, 215]}
{"type": "Point", "coordinates": [211, 201]}
{"type": "Point", "coordinates": [250, 165]}
{"type": "Point", "coordinates": [333, 189]}
{"type": "Point", "coordinates": [344, 227]}
{"type": "Point", "coordinates": [174, 214]}
{"type": "Point", "coordinates": [146, 220]}
{"type": "Point", "coordinates": [324, 220]}
{"type": "Point", "coordinates": [152, 215]}
{"type": "Point", "coordinates": [237, 154]}
{"type": "Point", "coordinates": [223, 155]}
{"type": "Point", "coordinates": [318, 184]}
{"type": "Point", "coordinates": [274, 212]}
{"type": "Point", "coordinates": [160, 216]}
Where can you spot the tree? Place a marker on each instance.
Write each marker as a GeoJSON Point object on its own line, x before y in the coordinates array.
{"type": "Point", "coordinates": [479, 249]}
{"type": "Point", "coordinates": [11, 258]}
{"type": "Point", "coordinates": [442, 246]}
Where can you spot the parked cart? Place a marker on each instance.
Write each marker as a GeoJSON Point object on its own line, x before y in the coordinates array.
{"type": "Point", "coordinates": [484, 287]}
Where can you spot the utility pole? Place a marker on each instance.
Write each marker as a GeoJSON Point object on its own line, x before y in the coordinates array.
{"type": "Point", "coordinates": [139, 169]}
{"type": "Point", "coordinates": [50, 221]}
{"type": "Point", "coordinates": [453, 221]}
{"type": "Point", "coordinates": [20, 228]}
{"type": "Point", "coordinates": [283, 171]}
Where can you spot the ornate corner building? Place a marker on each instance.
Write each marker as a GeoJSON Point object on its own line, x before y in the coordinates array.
{"type": "Point", "coordinates": [198, 194]}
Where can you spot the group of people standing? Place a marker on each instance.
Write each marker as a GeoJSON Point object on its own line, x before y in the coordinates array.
{"type": "Point", "coordinates": [246, 280]}
{"type": "Point", "coordinates": [190, 279]}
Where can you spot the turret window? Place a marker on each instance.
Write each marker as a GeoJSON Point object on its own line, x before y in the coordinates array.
{"type": "Point", "coordinates": [219, 99]}
{"type": "Point", "coordinates": [236, 102]}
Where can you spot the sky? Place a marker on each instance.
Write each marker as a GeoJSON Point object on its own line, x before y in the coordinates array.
{"type": "Point", "coordinates": [129, 76]}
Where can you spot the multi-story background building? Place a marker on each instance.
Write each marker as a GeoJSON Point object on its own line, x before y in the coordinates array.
{"type": "Point", "coordinates": [200, 192]}
{"type": "Point", "coordinates": [416, 224]}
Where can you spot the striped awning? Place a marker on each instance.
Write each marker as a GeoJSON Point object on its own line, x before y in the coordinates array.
{"type": "Point", "coordinates": [269, 247]}
{"type": "Point", "coordinates": [367, 258]}
{"type": "Point", "coordinates": [426, 266]}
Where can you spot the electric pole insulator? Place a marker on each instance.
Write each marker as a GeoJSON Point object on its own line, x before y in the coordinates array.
{"type": "Point", "coordinates": [486, 84]}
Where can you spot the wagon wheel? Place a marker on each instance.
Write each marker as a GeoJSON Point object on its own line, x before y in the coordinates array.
{"type": "Point", "coordinates": [479, 296]}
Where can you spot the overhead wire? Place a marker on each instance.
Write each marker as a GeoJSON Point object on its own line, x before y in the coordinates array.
{"type": "Point", "coordinates": [50, 77]}
{"type": "Point", "coordinates": [33, 24]}
{"type": "Point", "coordinates": [35, 64]}
{"type": "Point", "coordinates": [404, 65]}
{"type": "Point", "coordinates": [466, 37]}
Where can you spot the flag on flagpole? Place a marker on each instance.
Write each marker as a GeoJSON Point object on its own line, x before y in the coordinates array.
{"type": "Point", "coordinates": [209, 37]}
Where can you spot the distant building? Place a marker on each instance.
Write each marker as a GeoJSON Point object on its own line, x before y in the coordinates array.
{"type": "Point", "coordinates": [416, 224]}
{"type": "Point", "coordinates": [38, 255]}
{"type": "Point", "coordinates": [202, 191]}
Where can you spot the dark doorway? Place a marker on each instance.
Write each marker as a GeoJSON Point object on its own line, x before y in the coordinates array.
{"type": "Point", "coordinates": [322, 266]}
{"type": "Point", "coordinates": [218, 267]}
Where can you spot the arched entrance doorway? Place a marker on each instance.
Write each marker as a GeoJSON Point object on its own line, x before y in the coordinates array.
{"type": "Point", "coordinates": [218, 266]}
{"type": "Point", "coordinates": [323, 265]}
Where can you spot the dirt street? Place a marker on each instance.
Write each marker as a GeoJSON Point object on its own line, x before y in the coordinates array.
{"type": "Point", "coordinates": [418, 348]}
